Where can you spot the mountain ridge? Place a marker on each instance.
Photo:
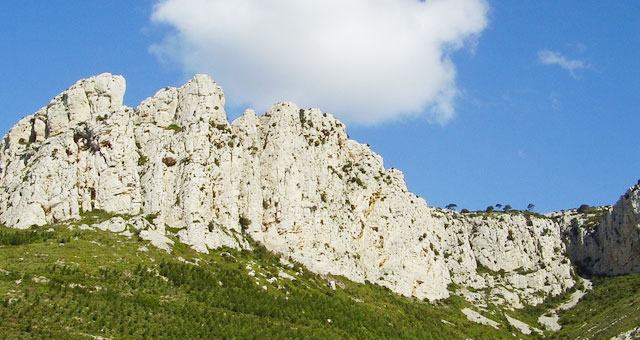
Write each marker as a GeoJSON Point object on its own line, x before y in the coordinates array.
{"type": "Point", "coordinates": [290, 179]}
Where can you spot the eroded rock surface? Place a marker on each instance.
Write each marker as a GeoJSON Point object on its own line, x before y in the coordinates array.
{"type": "Point", "coordinates": [605, 240]}
{"type": "Point", "coordinates": [630, 335]}
{"type": "Point", "coordinates": [290, 179]}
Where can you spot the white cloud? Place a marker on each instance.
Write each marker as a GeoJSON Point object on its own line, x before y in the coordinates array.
{"type": "Point", "coordinates": [554, 58]}
{"type": "Point", "coordinates": [365, 61]}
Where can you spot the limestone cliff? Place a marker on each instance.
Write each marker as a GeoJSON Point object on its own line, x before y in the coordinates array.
{"type": "Point", "coordinates": [290, 179]}
{"type": "Point", "coordinates": [605, 240]}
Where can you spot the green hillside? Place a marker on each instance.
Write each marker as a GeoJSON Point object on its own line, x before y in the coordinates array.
{"type": "Point", "coordinates": [613, 307]}
{"type": "Point", "coordinates": [57, 283]}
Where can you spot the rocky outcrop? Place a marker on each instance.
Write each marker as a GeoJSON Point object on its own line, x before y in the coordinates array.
{"type": "Point", "coordinates": [630, 335]}
{"type": "Point", "coordinates": [520, 257]}
{"type": "Point", "coordinates": [605, 240]}
{"type": "Point", "coordinates": [290, 179]}
{"type": "Point", "coordinates": [580, 232]}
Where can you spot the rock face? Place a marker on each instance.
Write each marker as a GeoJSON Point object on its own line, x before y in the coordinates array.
{"type": "Point", "coordinates": [605, 241]}
{"type": "Point", "coordinates": [290, 179]}
{"type": "Point", "coordinates": [630, 335]}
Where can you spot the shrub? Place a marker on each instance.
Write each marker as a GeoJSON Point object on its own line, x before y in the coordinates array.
{"type": "Point", "coordinates": [169, 161]}
{"type": "Point", "coordinates": [174, 127]}
{"type": "Point", "coordinates": [489, 209]}
{"type": "Point", "coordinates": [244, 222]}
{"type": "Point", "coordinates": [142, 160]}
{"type": "Point", "coordinates": [358, 181]}
{"type": "Point", "coordinates": [151, 217]}
{"type": "Point", "coordinates": [584, 208]}
{"type": "Point", "coordinates": [10, 237]}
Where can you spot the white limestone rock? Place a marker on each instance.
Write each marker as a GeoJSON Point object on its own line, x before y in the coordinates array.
{"type": "Point", "coordinates": [550, 318]}
{"type": "Point", "coordinates": [70, 156]}
{"type": "Point", "coordinates": [550, 321]}
{"type": "Point", "coordinates": [522, 327]}
{"type": "Point", "coordinates": [605, 240]}
{"type": "Point", "coordinates": [290, 179]}
{"type": "Point", "coordinates": [476, 317]}
{"type": "Point", "coordinates": [115, 225]}
{"type": "Point", "coordinates": [619, 237]}
{"type": "Point", "coordinates": [630, 335]}
{"type": "Point", "coordinates": [157, 239]}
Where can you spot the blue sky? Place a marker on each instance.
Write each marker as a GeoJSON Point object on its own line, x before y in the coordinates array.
{"type": "Point", "coordinates": [546, 110]}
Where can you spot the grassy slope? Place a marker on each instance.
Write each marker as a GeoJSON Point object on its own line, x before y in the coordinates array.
{"type": "Point", "coordinates": [101, 284]}
{"type": "Point", "coordinates": [77, 284]}
{"type": "Point", "coordinates": [613, 307]}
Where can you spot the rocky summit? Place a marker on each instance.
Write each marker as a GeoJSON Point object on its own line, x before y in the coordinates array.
{"type": "Point", "coordinates": [293, 181]}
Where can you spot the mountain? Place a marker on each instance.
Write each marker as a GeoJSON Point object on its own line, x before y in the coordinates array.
{"type": "Point", "coordinates": [291, 180]}
{"type": "Point", "coordinates": [608, 241]}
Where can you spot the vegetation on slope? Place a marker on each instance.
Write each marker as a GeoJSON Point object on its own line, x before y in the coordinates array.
{"type": "Point", "coordinates": [613, 307]}
{"type": "Point", "coordinates": [60, 282]}
{"type": "Point", "coordinates": [77, 284]}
